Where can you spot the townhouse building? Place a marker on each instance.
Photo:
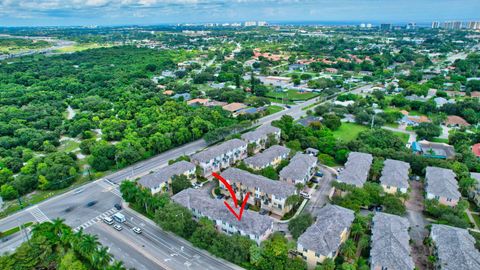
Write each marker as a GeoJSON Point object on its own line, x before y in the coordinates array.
{"type": "Point", "coordinates": [474, 191]}
{"type": "Point", "coordinates": [356, 169]}
{"type": "Point", "coordinates": [390, 243]}
{"type": "Point", "coordinates": [265, 193]}
{"type": "Point", "coordinates": [454, 248]}
{"type": "Point", "coordinates": [300, 169]}
{"type": "Point", "coordinates": [220, 156]}
{"type": "Point", "coordinates": [323, 239]}
{"type": "Point", "coordinates": [270, 157]}
{"type": "Point", "coordinates": [252, 225]}
{"type": "Point", "coordinates": [160, 180]}
{"type": "Point", "coordinates": [259, 137]}
{"type": "Point", "coordinates": [395, 176]}
{"type": "Point", "coordinates": [441, 185]}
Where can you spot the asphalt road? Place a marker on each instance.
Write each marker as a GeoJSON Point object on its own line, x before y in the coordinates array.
{"type": "Point", "coordinates": [72, 206]}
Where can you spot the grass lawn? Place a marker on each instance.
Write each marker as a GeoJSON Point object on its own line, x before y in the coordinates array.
{"type": "Point", "coordinates": [273, 109]}
{"type": "Point", "coordinates": [292, 95]}
{"type": "Point", "coordinates": [80, 47]}
{"type": "Point", "coordinates": [403, 136]}
{"type": "Point", "coordinates": [392, 125]}
{"type": "Point", "coordinates": [14, 230]}
{"type": "Point", "coordinates": [348, 131]}
{"type": "Point", "coordinates": [68, 146]}
{"type": "Point", "coordinates": [440, 140]}
{"type": "Point", "coordinates": [477, 219]}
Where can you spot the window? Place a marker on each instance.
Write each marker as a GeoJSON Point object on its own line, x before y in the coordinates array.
{"type": "Point", "coordinates": [449, 200]}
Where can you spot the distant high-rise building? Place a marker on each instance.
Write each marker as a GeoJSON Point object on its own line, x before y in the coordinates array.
{"type": "Point", "coordinates": [435, 25]}
{"type": "Point", "coordinates": [473, 25]}
{"type": "Point", "coordinates": [452, 25]}
{"type": "Point", "coordinates": [411, 26]}
{"type": "Point", "coordinates": [369, 25]}
{"type": "Point", "coordinates": [250, 23]}
{"type": "Point", "coordinates": [262, 23]}
{"type": "Point", "coordinates": [386, 26]}
{"type": "Point", "coordinates": [362, 25]}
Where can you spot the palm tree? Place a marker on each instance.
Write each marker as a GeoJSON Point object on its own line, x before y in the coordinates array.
{"type": "Point", "coordinates": [349, 249]}
{"type": "Point", "coordinates": [117, 265]}
{"type": "Point", "coordinates": [101, 258]}
{"type": "Point", "coordinates": [356, 230]}
{"type": "Point", "coordinates": [328, 264]}
{"type": "Point", "coordinates": [87, 245]}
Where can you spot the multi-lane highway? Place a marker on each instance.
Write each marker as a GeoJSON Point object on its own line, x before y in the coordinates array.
{"type": "Point", "coordinates": [73, 207]}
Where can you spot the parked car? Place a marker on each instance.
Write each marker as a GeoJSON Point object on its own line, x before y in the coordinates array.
{"type": "Point", "coordinates": [305, 195]}
{"type": "Point", "coordinates": [108, 220]}
{"type": "Point", "coordinates": [263, 212]}
{"type": "Point", "coordinates": [137, 230]}
{"type": "Point", "coordinates": [319, 174]}
{"type": "Point", "coordinates": [118, 227]}
{"type": "Point", "coordinates": [220, 196]}
{"type": "Point", "coordinates": [376, 208]}
{"type": "Point", "coordinates": [118, 206]}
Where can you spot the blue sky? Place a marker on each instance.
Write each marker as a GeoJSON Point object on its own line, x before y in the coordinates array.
{"type": "Point", "coordinates": [122, 12]}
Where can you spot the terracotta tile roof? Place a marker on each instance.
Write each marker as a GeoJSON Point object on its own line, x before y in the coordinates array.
{"type": "Point", "coordinates": [233, 107]}
{"type": "Point", "coordinates": [419, 119]}
{"type": "Point", "coordinates": [456, 121]}
{"type": "Point", "coordinates": [197, 100]}
{"type": "Point", "coordinates": [168, 92]}
{"type": "Point", "coordinates": [476, 149]}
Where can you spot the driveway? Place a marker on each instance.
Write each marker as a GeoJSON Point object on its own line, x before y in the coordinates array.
{"type": "Point", "coordinates": [320, 195]}
{"type": "Point", "coordinates": [417, 232]}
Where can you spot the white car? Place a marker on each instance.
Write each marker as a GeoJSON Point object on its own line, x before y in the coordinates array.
{"type": "Point", "coordinates": [108, 220]}
{"type": "Point", "coordinates": [118, 227]}
{"type": "Point", "coordinates": [137, 230]}
{"type": "Point", "coordinates": [305, 195]}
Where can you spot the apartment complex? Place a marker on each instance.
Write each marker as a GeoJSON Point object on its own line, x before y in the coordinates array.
{"type": "Point", "coordinates": [441, 185]}
{"type": "Point", "coordinates": [356, 169]}
{"type": "Point", "coordinates": [259, 137]}
{"type": "Point", "coordinates": [265, 193]}
{"type": "Point", "coordinates": [474, 192]}
{"type": "Point", "coordinates": [161, 179]}
{"type": "Point", "coordinates": [253, 225]}
{"type": "Point", "coordinates": [454, 248]}
{"type": "Point", "coordinates": [220, 156]}
{"type": "Point", "coordinates": [395, 176]}
{"type": "Point", "coordinates": [323, 239]}
{"type": "Point", "coordinates": [300, 169]}
{"type": "Point", "coordinates": [270, 157]}
{"type": "Point", "coordinates": [390, 243]}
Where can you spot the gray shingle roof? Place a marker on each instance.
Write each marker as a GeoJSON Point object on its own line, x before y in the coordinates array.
{"type": "Point", "coordinates": [440, 149]}
{"type": "Point", "coordinates": [299, 166]}
{"type": "Point", "coordinates": [324, 236]}
{"type": "Point", "coordinates": [218, 150]}
{"type": "Point", "coordinates": [455, 248]}
{"type": "Point", "coordinates": [278, 188]}
{"type": "Point", "coordinates": [390, 242]}
{"type": "Point", "coordinates": [441, 182]}
{"type": "Point", "coordinates": [267, 156]}
{"type": "Point", "coordinates": [251, 222]}
{"type": "Point", "coordinates": [153, 180]}
{"type": "Point", "coordinates": [395, 173]}
{"type": "Point", "coordinates": [356, 170]}
{"type": "Point", "coordinates": [259, 133]}
{"type": "Point", "coordinates": [476, 176]}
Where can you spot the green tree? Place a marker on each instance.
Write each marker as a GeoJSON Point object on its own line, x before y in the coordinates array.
{"type": "Point", "coordinates": [179, 183]}
{"type": "Point", "coordinates": [299, 224]}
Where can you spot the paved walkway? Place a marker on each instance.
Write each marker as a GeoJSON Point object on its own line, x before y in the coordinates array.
{"type": "Point", "coordinates": [470, 217]}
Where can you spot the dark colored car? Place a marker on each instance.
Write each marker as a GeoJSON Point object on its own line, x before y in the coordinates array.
{"type": "Point", "coordinates": [263, 212]}
{"type": "Point", "coordinates": [118, 206]}
{"type": "Point", "coordinates": [376, 208]}
{"type": "Point", "coordinates": [220, 196]}
{"type": "Point", "coordinates": [92, 203]}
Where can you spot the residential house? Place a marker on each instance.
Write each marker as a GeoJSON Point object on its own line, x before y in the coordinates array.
{"type": "Point", "coordinates": [270, 157]}
{"type": "Point", "coordinates": [265, 193]}
{"type": "Point", "coordinates": [456, 121]}
{"type": "Point", "coordinates": [390, 243]}
{"type": "Point", "coordinates": [440, 101]}
{"type": "Point", "coordinates": [416, 98]}
{"type": "Point", "coordinates": [476, 150]}
{"type": "Point", "coordinates": [395, 176]}
{"type": "Point", "coordinates": [474, 192]}
{"type": "Point", "coordinates": [234, 108]}
{"type": "Point", "coordinates": [306, 121]}
{"type": "Point", "coordinates": [300, 169]}
{"type": "Point", "coordinates": [197, 101]}
{"type": "Point", "coordinates": [323, 239]}
{"type": "Point", "coordinates": [441, 185]}
{"type": "Point", "coordinates": [276, 81]}
{"type": "Point", "coordinates": [161, 179]}
{"type": "Point", "coordinates": [414, 120]}
{"type": "Point", "coordinates": [433, 150]}
{"type": "Point", "coordinates": [454, 248]}
{"type": "Point", "coordinates": [356, 169]}
{"type": "Point", "coordinates": [220, 156]}
{"type": "Point", "coordinates": [253, 225]}
{"type": "Point", "coordinates": [312, 151]}
{"type": "Point", "coordinates": [260, 136]}
{"type": "Point", "coordinates": [185, 96]}
{"type": "Point", "coordinates": [297, 67]}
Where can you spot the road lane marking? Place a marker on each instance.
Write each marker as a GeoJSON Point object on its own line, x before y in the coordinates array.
{"type": "Point", "coordinates": [38, 214]}
{"type": "Point", "coordinates": [96, 219]}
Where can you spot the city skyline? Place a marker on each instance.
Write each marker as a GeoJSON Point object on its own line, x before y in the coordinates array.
{"type": "Point", "coordinates": [151, 12]}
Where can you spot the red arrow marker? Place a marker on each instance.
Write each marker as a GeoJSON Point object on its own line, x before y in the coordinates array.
{"type": "Point", "coordinates": [234, 197]}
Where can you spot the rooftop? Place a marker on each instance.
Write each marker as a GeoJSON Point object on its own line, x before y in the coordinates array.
{"type": "Point", "coordinates": [306, 121]}
{"type": "Point", "coordinates": [455, 248]}
{"type": "Point", "coordinates": [233, 107]}
{"type": "Point", "coordinates": [456, 121]}
{"type": "Point", "coordinates": [476, 149]}
{"type": "Point", "coordinates": [153, 180]}
{"type": "Point", "coordinates": [441, 182]}
{"type": "Point", "coordinates": [278, 188]}
{"type": "Point", "coordinates": [218, 150]}
{"type": "Point", "coordinates": [251, 222]}
{"type": "Point", "coordinates": [259, 133]}
{"type": "Point", "coordinates": [324, 236]}
{"type": "Point", "coordinates": [298, 167]}
{"type": "Point", "coordinates": [357, 168]}
{"type": "Point", "coordinates": [437, 149]}
{"type": "Point", "coordinates": [267, 156]}
{"type": "Point", "coordinates": [395, 173]}
{"type": "Point", "coordinates": [390, 242]}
